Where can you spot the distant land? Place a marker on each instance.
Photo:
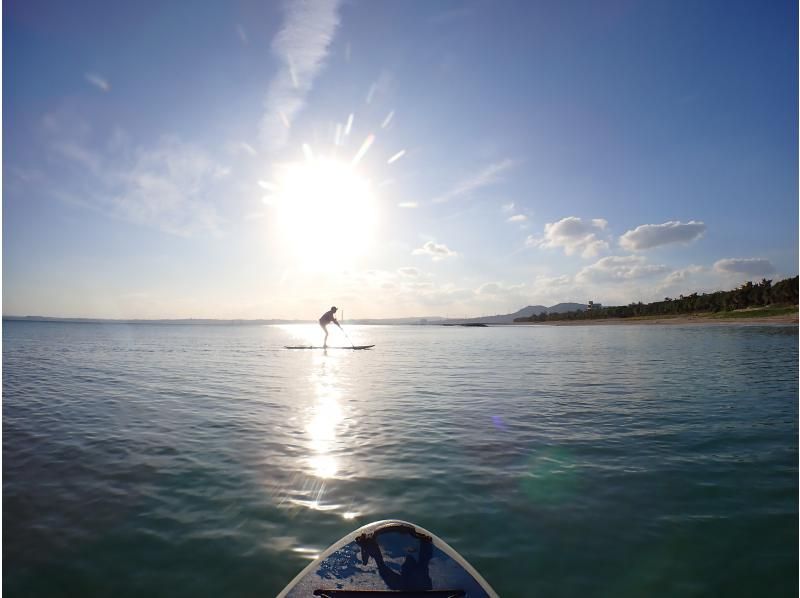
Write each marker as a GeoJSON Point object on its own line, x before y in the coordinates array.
{"type": "Point", "coordinates": [187, 321]}
{"type": "Point", "coordinates": [525, 312]}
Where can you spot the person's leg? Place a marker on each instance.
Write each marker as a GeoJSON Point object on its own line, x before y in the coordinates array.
{"type": "Point", "coordinates": [325, 342]}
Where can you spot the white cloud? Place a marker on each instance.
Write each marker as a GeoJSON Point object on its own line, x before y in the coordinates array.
{"type": "Point", "coordinates": [683, 281]}
{"type": "Point", "coordinates": [99, 82]}
{"type": "Point", "coordinates": [574, 235]}
{"type": "Point", "coordinates": [407, 204]}
{"type": "Point", "coordinates": [498, 297]}
{"type": "Point", "coordinates": [487, 176]}
{"type": "Point", "coordinates": [648, 236]}
{"type": "Point", "coordinates": [490, 288]}
{"type": "Point", "coordinates": [683, 275]}
{"type": "Point", "coordinates": [518, 218]}
{"type": "Point", "coordinates": [509, 207]}
{"type": "Point", "coordinates": [302, 46]}
{"type": "Point", "coordinates": [554, 281]}
{"type": "Point", "coordinates": [409, 272]}
{"type": "Point", "coordinates": [549, 290]}
{"type": "Point", "coordinates": [616, 268]}
{"type": "Point", "coordinates": [413, 291]}
{"type": "Point", "coordinates": [500, 289]}
{"type": "Point", "coordinates": [745, 266]}
{"type": "Point", "coordinates": [436, 251]}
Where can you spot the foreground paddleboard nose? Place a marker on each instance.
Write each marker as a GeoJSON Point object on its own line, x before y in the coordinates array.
{"type": "Point", "coordinates": [389, 558]}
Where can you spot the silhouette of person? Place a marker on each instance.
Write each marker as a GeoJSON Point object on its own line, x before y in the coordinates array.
{"type": "Point", "coordinates": [414, 574]}
{"type": "Point", "coordinates": [326, 319]}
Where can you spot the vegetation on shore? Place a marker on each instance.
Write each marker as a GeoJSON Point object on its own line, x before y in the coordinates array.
{"type": "Point", "coordinates": [758, 312]}
{"type": "Point", "coordinates": [771, 300]}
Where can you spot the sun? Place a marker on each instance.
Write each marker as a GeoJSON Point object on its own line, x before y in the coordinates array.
{"type": "Point", "coordinates": [325, 211]}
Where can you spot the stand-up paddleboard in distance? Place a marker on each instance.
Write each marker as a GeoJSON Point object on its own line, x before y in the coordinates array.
{"type": "Point", "coordinates": [389, 558]}
{"type": "Point", "coordinates": [352, 347]}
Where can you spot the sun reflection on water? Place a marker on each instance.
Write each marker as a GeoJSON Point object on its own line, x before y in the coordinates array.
{"type": "Point", "coordinates": [325, 420]}
{"type": "Point", "coordinates": [322, 423]}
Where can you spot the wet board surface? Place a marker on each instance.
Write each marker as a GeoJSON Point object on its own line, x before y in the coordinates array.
{"type": "Point", "coordinates": [389, 558]}
{"type": "Point", "coordinates": [352, 348]}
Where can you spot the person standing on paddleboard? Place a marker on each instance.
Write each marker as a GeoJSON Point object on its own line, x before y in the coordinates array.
{"type": "Point", "coordinates": [326, 319]}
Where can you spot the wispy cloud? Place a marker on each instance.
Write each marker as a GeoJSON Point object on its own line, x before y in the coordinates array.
{"type": "Point", "coordinates": [437, 251]}
{"type": "Point", "coordinates": [408, 204]}
{"type": "Point", "coordinates": [452, 15]}
{"type": "Point", "coordinates": [518, 218]}
{"type": "Point", "coordinates": [77, 153]}
{"type": "Point", "coordinates": [380, 87]}
{"type": "Point", "coordinates": [169, 185]}
{"type": "Point", "coordinates": [488, 176]}
{"type": "Point", "coordinates": [301, 46]}
{"type": "Point", "coordinates": [99, 82]}
{"type": "Point", "coordinates": [648, 236]}
{"type": "Point", "coordinates": [242, 34]}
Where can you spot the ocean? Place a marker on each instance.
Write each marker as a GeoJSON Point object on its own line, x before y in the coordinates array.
{"type": "Point", "coordinates": [202, 460]}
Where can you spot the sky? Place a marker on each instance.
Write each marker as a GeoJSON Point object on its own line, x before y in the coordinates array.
{"type": "Point", "coordinates": [167, 159]}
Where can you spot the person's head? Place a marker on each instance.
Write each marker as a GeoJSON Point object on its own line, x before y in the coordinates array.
{"type": "Point", "coordinates": [333, 309]}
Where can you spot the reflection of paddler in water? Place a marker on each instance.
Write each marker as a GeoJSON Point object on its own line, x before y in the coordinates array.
{"type": "Point", "coordinates": [326, 319]}
{"type": "Point", "coordinates": [414, 574]}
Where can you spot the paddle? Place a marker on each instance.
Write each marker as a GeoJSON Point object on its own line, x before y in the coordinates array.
{"type": "Point", "coordinates": [347, 337]}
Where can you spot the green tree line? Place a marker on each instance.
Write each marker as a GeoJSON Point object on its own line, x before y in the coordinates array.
{"type": "Point", "coordinates": [760, 294]}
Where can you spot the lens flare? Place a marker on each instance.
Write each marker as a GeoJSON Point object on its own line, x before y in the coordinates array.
{"type": "Point", "coordinates": [552, 477]}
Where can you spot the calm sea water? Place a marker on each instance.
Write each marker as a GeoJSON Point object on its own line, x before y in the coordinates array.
{"type": "Point", "coordinates": [168, 460]}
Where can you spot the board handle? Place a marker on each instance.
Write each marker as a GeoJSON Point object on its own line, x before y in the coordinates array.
{"type": "Point", "coordinates": [393, 526]}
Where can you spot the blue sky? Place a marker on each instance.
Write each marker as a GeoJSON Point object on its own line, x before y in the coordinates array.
{"type": "Point", "coordinates": [266, 159]}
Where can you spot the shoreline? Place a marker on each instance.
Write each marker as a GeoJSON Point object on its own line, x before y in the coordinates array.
{"type": "Point", "coordinates": [696, 320]}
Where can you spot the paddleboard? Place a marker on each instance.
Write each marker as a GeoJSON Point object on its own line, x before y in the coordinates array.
{"type": "Point", "coordinates": [389, 558]}
{"type": "Point", "coordinates": [356, 347]}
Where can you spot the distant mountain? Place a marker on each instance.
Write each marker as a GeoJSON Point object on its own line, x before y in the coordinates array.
{"type": "Point", "coordinates": [565, 307]}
